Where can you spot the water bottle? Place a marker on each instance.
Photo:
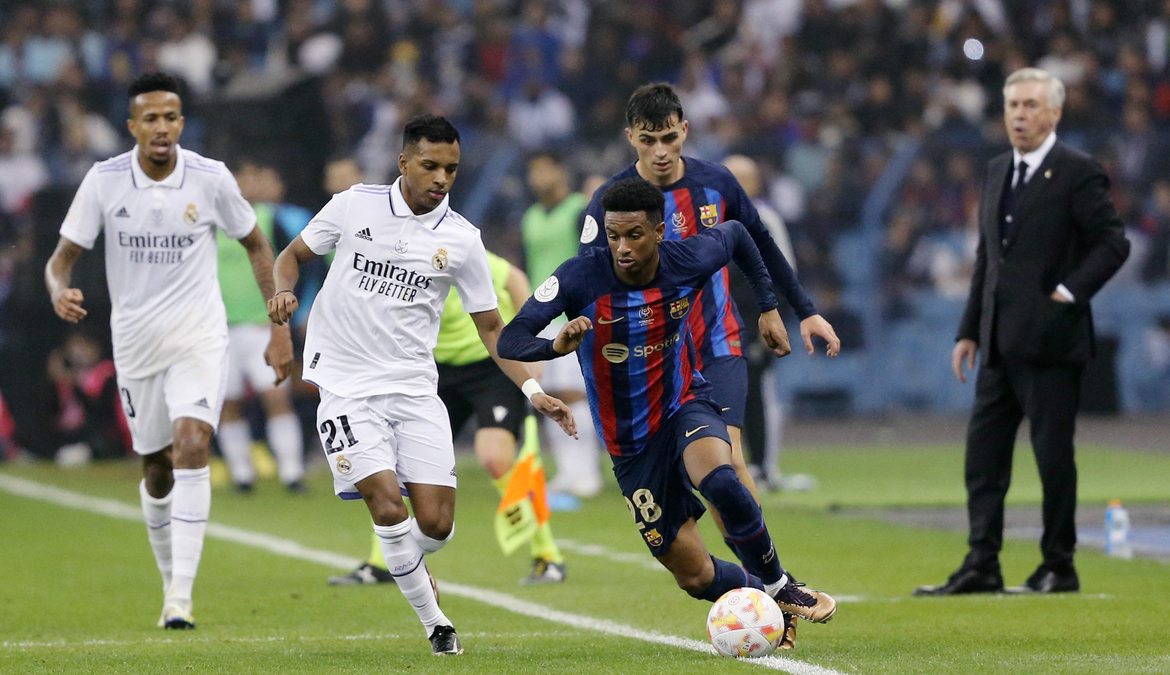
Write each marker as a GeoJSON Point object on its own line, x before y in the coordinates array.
{"type": "Point", "coordinates": [1117, 542]}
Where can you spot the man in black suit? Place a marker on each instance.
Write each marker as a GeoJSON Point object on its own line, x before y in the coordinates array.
{"type": "Point", "coordinates": [1049, 240]}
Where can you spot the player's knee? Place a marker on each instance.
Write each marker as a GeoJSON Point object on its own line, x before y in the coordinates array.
{"type": "Point", "coordinates": [192, 446]}
{"type": "Point", "coordinates": [495, 466]}
{"type": "Point", "coordinates": [728, 495]}
{"type": "Point", "coordinates": [429, 541]}
{"type": "Point", "coordinates": [438, 526]}
{"type": "Point", "coordinates": [386, 511]}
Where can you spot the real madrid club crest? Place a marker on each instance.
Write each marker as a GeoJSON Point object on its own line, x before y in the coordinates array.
{"type": "Point", "coordinates": [400, 248]}
{"type": "Point", "coordinates": [191, 215]}
{"type": "Point", "coordinates": [679, 308]}
{"type": "Point", "coordinates": [343, 465]}
{"type": "Point", "coordinates": [709, 215]}
{"type": "Point", "coordinates": [678, 222]}
{"type": "Point", "coordinates": [439, 261]}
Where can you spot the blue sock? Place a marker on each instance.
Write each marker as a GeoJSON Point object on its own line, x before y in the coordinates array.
{"type": "Point", "coordinates": [728, 576]}
{"type": "Point", "coordinates": [744, 522]}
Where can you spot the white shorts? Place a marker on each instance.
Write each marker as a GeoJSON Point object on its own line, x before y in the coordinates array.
{"type": "Point", "coordinates": [247, 343]}
{"type": "Point", "coordinates": [561, 374]}
{"type": "Point", "coordinates": [409, 435]}
{"type": "Point", "coordinates": [192, 386]}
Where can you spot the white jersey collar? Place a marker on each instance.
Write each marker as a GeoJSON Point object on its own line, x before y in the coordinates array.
{"type": "Point", "coordinates": [174, 180]}
{"type": "Point", "coordinates": [399, 207]}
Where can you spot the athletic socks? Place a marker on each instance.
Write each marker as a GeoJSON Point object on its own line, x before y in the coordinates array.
{"type": "Point", "coordinates": [157, 513]}
{"type": "Point", "coordinates": [728, 576]}
{"type": "Point", "coordinates": [190, 507]}
{"type": "Point", "coordinates": [235, 442]}
{"type": "Point", "coordinates": [545, 547]}
{"type": "Point", "coordinates": [288, 447]}
{"type": "Point", "coordinates": [427, 544]}
{"type": "Point", "coordinates": [744, 522]}
{"type": "Point", "coordinates": [404, 558]}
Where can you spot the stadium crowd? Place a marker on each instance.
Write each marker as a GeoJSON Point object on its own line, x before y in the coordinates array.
{"type": "Point", "coordinates": [822, 93]}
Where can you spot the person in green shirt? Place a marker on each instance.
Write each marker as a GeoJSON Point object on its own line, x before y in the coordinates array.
{"type": "Point", "coordinates": [551, 232]}
{"type": "Point", "coordinates": [471, 384]}
{"type": "Point", "coordinates": [248, 332]}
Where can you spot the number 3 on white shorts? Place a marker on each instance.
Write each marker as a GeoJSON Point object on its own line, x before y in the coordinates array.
{"type": "Point", "coordinates": [643, 504]}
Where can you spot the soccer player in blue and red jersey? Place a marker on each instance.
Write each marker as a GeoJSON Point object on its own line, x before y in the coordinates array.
{"type": "Point", "coordinates": [629, 306]}
{"type": "Point", "coordinates": [700, 195]}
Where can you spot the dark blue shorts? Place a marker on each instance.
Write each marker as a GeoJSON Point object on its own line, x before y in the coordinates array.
{"type": "Point", "coordinates": [728, 376]}
{"type": "Point", "coordinates": [655, 483]}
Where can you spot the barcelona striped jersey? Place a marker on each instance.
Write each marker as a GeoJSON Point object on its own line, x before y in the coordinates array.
{"type": "Point", "coordinates": [705, 196]}
{"type": "Point", "coordinates": [639, 361]}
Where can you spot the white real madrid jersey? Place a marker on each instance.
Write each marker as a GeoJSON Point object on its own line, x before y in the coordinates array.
{"type": "Point", "coordinates": [374, 325]}
{"type": "Point", "coordinates": [160, 252]}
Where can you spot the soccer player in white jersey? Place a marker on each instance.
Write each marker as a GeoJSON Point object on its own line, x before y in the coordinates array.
{"type": "Point", "coordinates": [160, 206]}
{"type": "Point", "coordinates": [371, 334]}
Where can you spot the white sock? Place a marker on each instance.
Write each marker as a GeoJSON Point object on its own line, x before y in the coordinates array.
{"type": "Point", "coordinates": [157, 513]}
{"type": "Point", "coordinates": [190, 507]}
{"type": "Point", "coordinates": [235, 441]}
{"type": "Point", "coordinates": [773, 589]}
{"type": "Point", "coordinates": [288, 446]}
{"type": "Point", "coordinates": [404, 558]}
{"type": "Point", "coordinates": [429, 544]}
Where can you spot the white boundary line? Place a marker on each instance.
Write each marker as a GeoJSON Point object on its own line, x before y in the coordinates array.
{"type": "Point", "coordinates": [291, 549]}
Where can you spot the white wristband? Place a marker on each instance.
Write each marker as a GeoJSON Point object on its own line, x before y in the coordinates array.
{"type": "Point", "coordinates": [531, 388]}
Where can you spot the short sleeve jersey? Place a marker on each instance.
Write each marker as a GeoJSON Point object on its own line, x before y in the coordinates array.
{"type": "Point", "coordinates": [375, 323]}
{"type": "Point", "coordinates": [705, 196]}
{"type": "Point", "coordinates": [160, 252]}
{"type": "Point", "coordinates": [459, 343]}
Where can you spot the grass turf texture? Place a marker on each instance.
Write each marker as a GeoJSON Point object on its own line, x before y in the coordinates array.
{"type": "Point", "coordinates": [69, 577]}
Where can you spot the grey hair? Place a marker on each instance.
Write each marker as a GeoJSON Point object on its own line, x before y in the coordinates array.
{"type": "Point", "coordinates": [1052, 84]}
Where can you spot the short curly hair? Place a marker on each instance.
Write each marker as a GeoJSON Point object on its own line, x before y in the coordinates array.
{"type": "Point", "coordinates": [633, 194]}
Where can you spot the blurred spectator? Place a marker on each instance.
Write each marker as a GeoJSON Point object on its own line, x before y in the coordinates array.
{"type": "Point", "coordinates": [21, 174]}
{"type": "Point", "coordinates": [185, 52]}
{"type": "Point", "coordinates": [540, 116]}
{"type": "Point", "coordinates": [1156, 226]}
{"type": "Point", "coordinates": [89, 416]}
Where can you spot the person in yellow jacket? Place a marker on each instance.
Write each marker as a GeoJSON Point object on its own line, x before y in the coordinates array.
{"type": "Point", "coordinates": [471, 384]}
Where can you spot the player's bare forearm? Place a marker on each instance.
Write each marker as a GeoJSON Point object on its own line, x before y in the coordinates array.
{"type": "Point", "coordinates": [285, 273]}
{"type": "Point", "coordinates": [489, 324]}
{"type": "Point", "coordinates": [260, 255]}
{"type": "Point", "coordinates": [58, 275]}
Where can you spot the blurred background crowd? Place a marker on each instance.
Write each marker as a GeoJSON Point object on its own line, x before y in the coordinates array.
{"type": "Point", "coordinates": [870, 121]}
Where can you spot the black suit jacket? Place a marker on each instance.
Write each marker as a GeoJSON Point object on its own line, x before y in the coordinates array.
{"type": "Point", "coordinates": [1064, 231]}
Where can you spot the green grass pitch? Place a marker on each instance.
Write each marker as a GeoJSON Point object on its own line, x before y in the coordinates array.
{"type": "Point", "coordinates": [79, 592]}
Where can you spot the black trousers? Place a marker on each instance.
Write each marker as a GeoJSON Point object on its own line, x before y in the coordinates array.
{"type": "Point", "coordinates": [1004, 395]}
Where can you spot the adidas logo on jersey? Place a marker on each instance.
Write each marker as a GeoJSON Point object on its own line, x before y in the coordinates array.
{"type": "Point", "coordinates": [364, 234]}
{"type": "Point", "coordinates": [202, 403]}
{"type": "Point", "coordinates": [122, 213]}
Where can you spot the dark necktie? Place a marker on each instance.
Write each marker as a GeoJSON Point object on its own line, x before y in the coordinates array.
{"type": "Point", "coordinates": [1022, 172]}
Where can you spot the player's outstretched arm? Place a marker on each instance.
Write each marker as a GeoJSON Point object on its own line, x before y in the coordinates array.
{"type": "Point", "coordinates": [279, 353]}
{"type": "Point", "coordinates": [285, 272]}
{"type": "Point", "coordinates": [58, 274]}
{"type": "Point", "coordinates": [489, 324]}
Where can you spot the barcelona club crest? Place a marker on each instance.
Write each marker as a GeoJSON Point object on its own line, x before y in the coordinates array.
{"type": "Point", "coordinates": [439, 262]}
{"type": "Point", "coordinates": [709, 215]}
{"type": "Point", "coordinates": [679, 308]}
{"type": "Point", "coordinates": [653, 537]}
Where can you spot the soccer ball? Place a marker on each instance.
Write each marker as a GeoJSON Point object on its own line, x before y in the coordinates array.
{"type": "Point", "coordinates": [745, 622]}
